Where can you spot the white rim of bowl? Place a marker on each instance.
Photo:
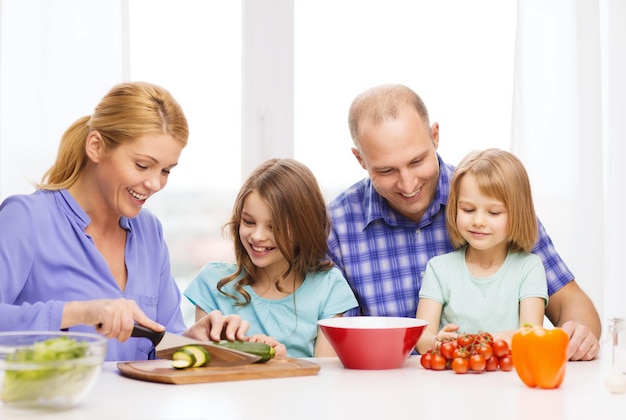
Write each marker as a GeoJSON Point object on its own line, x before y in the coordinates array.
{"type": "Point", "coordinates": [372, 322]}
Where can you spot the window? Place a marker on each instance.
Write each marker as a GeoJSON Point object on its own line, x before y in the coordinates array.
{"type": "Point", "coordinates": [193, 48]}
{"type": "Point", "coordinates": [341, 48]}
{"type": "Point", "coordinates": [457, 55]}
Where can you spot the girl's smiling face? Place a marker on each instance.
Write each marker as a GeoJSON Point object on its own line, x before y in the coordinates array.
{"type": "Point", "coordinates": [257, 236]}
{"type": "Point", "coordinates": [481, 220]}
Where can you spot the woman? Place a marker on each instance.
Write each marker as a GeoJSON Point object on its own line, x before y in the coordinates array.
{"type": "Point", "coordinates": [81, 253]}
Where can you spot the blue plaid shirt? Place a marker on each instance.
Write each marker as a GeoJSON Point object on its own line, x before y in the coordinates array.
{"type": "Point", "coordinates": [384, 254]}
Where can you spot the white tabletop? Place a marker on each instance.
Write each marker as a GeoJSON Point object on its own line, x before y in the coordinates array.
{"type": "Point", "coordinates": [338, 393]}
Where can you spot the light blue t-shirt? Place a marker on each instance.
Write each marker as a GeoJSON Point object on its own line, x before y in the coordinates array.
{"type": "Point", "coordinates": [47, 260]}
{"type": "Point", "coordinates": [321, 295]}
{"type": "Point", "coordinates": [483, 304]}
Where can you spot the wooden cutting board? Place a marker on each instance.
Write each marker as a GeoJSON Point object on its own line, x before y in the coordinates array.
{"type": "Point", "coordinates": [162, 371]}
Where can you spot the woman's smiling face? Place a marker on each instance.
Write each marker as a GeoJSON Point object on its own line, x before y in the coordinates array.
{"type": "Point", "coordinates": [133, 171]}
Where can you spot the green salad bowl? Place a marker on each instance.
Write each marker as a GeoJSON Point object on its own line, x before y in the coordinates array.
{"type": "Point", "coordinates": [43, 369]}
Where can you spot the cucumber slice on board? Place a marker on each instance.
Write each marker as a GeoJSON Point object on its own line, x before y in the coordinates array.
{"type": "Point", "coordinates": [202, 355]}
{"type": "Point", "coordinates": [182, 359]}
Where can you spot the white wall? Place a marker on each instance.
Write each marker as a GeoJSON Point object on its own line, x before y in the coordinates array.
{"type": "Point", "coordinates": [58, 58]}
{"type": "Point", "coordinates": [56, 62]}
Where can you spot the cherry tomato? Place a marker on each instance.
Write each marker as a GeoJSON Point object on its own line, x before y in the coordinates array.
{"type": "Point", "coordinates": [469, 352]}
{"type": "Point", "coordinates": [506, 363]}
{"type": "Point", "coordinates": [484, 349]}
{"type": "Point", "coordinates": [491, 364]}
{"type": "Point", "coordinates": [477, 363]}
{"type": "Point", "coordinates": [460, 352]}
{"type": "Point", "coordinates": [484, 337]}
{"type": "Point", "coordinates": [447, 349]}
{"type": "Point", "coordinates": [465, 340]}
{"type": "Point", "coordinates": [437, 362]}
{"type": "Point", "coordinates": [500, 348]}
{"type": "Point", "coordinates": [425, 360]}
{"type": "Point", "coordinates": [460, 365]}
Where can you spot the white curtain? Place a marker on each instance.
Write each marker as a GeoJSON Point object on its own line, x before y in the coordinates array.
{"type": "Point", "coordinates": [613, 33]}
{"type": "Point", "coordinates": [567, 125]}
{"type": "Point", "coordinates": [57, 59]}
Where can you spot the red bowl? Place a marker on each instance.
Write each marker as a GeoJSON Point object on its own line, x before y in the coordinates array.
{"type": "Point", "coordinates": [372, 342]}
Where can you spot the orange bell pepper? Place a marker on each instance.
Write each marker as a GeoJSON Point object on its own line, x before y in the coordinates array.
{"type": "Point", "coordinates": [540, 356]}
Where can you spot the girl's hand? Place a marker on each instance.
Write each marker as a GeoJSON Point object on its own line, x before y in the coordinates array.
{"type": "Point", "coordinates": [281, 350]}
{"type": "Point", "coordinates": [447, 333]}
{"type": "Point", "coordinates": [216, 326]}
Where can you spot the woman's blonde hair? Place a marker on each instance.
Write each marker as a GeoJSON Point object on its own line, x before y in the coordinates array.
{"type": "Point", "coordinates": [127, 112]}
{"type": "Point", "coordinates": [300, 222]}
{"type": "Point", "coordinates": [501, 175]}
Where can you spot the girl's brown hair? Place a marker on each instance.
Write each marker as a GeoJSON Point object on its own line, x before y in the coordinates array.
{"type": "Point", "coordinates": [127, 112]}
{"type": "Point", "coordinates": [299, 221]}
{"type": "Point", "coordinates": [501, 175]}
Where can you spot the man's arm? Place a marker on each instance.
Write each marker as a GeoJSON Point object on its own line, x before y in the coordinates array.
{"type": "Point", "coordinates": [571, 309]}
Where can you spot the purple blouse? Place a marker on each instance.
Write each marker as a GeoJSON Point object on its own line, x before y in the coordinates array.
{"type": "Point", "coordinates": [47, 259]}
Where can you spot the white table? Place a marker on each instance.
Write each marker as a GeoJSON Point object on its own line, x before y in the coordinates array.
{"type": "Point", "coordinates": [337, 393]}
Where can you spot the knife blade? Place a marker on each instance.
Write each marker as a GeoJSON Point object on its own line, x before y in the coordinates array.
{"type": "Point", "coordinates": [167, 343]}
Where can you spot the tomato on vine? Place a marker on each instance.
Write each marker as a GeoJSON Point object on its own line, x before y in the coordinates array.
{"type": "Point", "coordinates": [437, 362]}
{"type": "Point", "coordinates": [447, 349]}
{"type": "Point", "coordinates": [461, 352]}
{"type": "Point", "coordinates": [477, 363]}
{"type": "Point", "coordinates": [460, 365]}
{"type": "Point", "coordinates": [506, 363]}
{"type": "Point", "coordinates": [425, 359]}
{"type": "Point", "coordinates": [484, 337]}
{"type": "Point", "coordinates": [465, 340]}
{"type": "Point", "coordinates": [469, 352]}
{"type": "Point", "coordinates": [484, 349]}
{"type": "Point", "coordinates": [492, 364]}
{"type": "Point", "coordinates": [500, 348]}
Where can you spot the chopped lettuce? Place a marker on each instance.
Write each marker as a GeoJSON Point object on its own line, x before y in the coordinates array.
{"type": "Point", "coordinates": [55, 379]}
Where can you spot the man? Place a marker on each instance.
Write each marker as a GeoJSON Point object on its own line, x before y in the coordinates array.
{"type": "Point", "coordinates": [386, 227]}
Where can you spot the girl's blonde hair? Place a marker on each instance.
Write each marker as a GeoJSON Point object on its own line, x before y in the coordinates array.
{"type": "Point", "coordinates": [501, 175]}
{"type": "Point", "coordinates": [127, 112]}
{"type": "Point", "coordinates": [299, 221]}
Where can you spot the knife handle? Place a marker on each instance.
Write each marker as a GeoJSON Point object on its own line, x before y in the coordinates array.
{"type": "Point", "coordinates": [154, 336]}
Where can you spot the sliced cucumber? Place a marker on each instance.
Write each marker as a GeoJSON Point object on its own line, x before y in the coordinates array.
{"type": "Point", "coordinates": [202, 355]}
{"type": "Point", "coordinates": [190, 356]}
{"type": "Point", "coordinates": [180, 364]}
{"type": "Point", "coordinates": [182, 359]}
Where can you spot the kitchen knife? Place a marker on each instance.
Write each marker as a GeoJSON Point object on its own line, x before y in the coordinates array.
{"type": "Point", "coordinates": [167, 343]}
